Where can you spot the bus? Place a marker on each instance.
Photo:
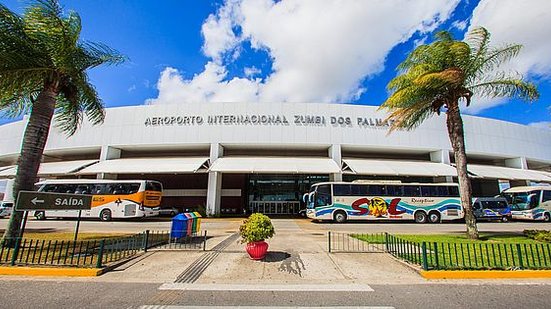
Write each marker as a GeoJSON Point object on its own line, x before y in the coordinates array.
{"type": "Point", "coordinates": [392, 200]}
{"type": "Point", "coordinates": [529, 202]}
{"type": "Point", "coordinates": [110, 198]}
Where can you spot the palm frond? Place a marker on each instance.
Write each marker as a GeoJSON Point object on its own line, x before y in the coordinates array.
{"type": "Point", "coordinates": [506, 87]}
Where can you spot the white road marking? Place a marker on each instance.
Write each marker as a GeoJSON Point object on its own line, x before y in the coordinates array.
{"type": "Point", "coordinates": [268, 287]}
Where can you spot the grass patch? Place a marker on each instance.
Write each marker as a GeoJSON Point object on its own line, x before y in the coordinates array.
{"type": "Point", "coordinates": [462, 238]}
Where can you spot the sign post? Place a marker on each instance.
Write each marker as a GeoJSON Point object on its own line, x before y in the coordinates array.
{"type": "Point", "coordinates": [32, 200]}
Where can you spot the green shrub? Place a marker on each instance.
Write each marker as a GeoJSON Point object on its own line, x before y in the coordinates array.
{"type": "Point", "coordinates": [539, 235]}
{"type": "Point", "coordinates": [257, 227]}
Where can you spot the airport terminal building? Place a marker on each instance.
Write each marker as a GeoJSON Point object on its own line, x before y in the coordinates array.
{"type": "Point", "coordinates": [236, 157]}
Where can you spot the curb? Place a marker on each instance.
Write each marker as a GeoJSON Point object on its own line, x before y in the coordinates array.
{"type": "Point", "coordinates": [45, 271]}
{"type": "Point", "coordinates": [485, 274]}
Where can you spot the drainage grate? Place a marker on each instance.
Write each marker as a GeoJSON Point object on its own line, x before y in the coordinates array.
{"type": "Point", "coordinates": [194, 271]}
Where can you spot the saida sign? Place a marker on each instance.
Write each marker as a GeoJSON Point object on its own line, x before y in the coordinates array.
{"type": "Point", "coordinates": [32, 200]}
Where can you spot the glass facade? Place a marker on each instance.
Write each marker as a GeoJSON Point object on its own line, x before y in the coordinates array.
{"type": "Point", "coordinates": [277, 193]}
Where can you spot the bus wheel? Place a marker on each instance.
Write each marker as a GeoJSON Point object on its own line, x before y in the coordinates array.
{"type": "Point", "coordinates": [420, 217]}
{"type": "Point", "coordinates": [434, 217]}
{"type": "Point", "coordinates": [39, 215]}
{"type": "Point", "coordinates": [504, 219]}
{"type": "Point", "coordinates": [546, 217]}
{"type": "Point", "coordinates": [105, 215]}
{"type": "Point", "coordinates": [339, 216]}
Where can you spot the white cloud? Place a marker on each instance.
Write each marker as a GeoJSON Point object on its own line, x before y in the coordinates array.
{"type": "Point", "coordinates": [518, 22]}
{"type": "Point", "coordinates": [320, 50]}
{"type": "Point", "coordinates": [541, 125]}
{"type": "Point", "coordinates": [252, 71]}
{"type": "Point", "coordinates": [208, 86]}
{"type": "Point", "coordinates": [460, 24]}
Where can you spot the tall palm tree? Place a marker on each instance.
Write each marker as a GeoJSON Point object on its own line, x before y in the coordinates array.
{"type": "Point", "coordinates": [43, 71]}
{"type": "Point", "coordinates": [440, 75]}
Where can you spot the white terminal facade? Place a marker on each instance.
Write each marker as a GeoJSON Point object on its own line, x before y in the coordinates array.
{"type": "Point", "coordinates": [238, 157]}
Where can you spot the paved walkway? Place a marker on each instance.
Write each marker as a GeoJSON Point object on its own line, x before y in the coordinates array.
{"type": "Point", "coordinates": [295, 257]}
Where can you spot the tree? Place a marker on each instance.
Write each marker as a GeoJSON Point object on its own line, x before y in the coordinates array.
{"type": "Point", "coordinates": [438, 76]}
{"type": "Point", "coordinates": [43, 70]}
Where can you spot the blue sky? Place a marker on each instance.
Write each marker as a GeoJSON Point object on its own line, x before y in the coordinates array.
{"type": "Point", "coordinates": [195, 52]}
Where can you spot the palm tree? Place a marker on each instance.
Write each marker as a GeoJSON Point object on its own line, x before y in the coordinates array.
{"type": "Point", "coordinates": [439, 76]}
{"type": "Point", "coordinates": [43, 70]}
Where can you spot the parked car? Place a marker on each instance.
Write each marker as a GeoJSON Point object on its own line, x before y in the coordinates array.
{"type": "Point", "coordinates": [171, 211]}
{"type": "Point", "coordinates": [492, 208]}
{"type": "Point", "coordinates": [6, 209]}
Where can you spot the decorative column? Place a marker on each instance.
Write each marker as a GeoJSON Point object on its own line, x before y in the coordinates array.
{"type": "Point", "coordinates": [214, 190]}
{"type": "Point", "coordinates": [441, 156]}
{"type": "Point", "coordinates": [519, 163]}
{"type": "Point", "coordinates": [335, 154]}
{"type": "Point", "coordinates": [108, 153]}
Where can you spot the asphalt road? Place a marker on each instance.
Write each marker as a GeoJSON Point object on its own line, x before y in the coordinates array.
{"type": "Point", "coordinates": [58, 294]}
{"type": "Point", "coordinates": [231, 224]}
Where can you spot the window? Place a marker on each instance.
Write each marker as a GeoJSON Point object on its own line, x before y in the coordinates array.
{"type": "Point", "coordinates": [358, 190]}
{"type": "Point", "coordinates": [395, 190]}
{"type": "Point", "coordinates": [342, 190]}
{"type": "Point", "coordinates": [323, 195]}
{"type": "Point", "coordinates": [430, 191]}
{"type": "Point", "coordinates": [153, 186]}
{"type": "Point", "coordinates": [546, 195]}
{"type": "Point", "coordinates": [412, 191]}
{"type": "Point", "coordinates": [376, 190]}
{"type": "Point", "coordinates": [453, 191]}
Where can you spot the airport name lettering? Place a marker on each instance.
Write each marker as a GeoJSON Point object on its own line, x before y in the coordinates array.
{"type": "Point", "coordinates": [263, 119]}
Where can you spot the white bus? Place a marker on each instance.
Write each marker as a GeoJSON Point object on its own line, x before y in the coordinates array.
{"type": "Point", "coordinates": [529, 203]}
{"type": "Point", "coordinates": [110, 198]}
{"type": "Point", "coordinates": [342, 201]}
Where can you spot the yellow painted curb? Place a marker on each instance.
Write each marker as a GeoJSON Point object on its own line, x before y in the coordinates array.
{"type": "Point", "coordinates": [485, 274]}
{"type": "Point", "coordinates": [64, 272]}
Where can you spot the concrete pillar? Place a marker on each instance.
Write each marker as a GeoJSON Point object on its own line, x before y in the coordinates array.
{"type": "Point", "coordinates": [335, 154]}
{"type": "Point", "coordinates": [441, 156]}
{"type": "Point", "coordinates": [519, 163]}
{"type": "Point", "coordinates": [214, 190]}
{"type": "Point", "coordinates": [108, 153]}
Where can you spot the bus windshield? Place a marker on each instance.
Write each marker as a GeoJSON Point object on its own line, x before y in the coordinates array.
{"type": "Point", "coordinates": [523, 200]}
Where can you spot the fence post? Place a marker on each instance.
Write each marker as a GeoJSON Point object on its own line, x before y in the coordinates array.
{"type": "Point", "coordinates": [386, 242]}
{"type": "Point", "coordinates": [146, 241]}
{"type": "Point", "coordinates": [425, 262]}
{"type": "Point", "coordinates": [329, 238]}
{"type": "Point", "coordinates": [519, 251]}
{"type": "Point", "coordinates": [99, 260]}
{"type": "Point", "coordinates": [436, 255]}
{"type": "Point", "coordinates": [15, 251]}
{"type": "Point", "coordinates": [205, 241]}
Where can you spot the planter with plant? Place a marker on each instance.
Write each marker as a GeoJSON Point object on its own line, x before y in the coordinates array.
{"type": "Point", "coordinates": [254, 231]}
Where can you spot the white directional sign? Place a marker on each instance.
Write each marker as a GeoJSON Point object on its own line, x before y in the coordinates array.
{"type": "Point", "coordinates": [31, 200]}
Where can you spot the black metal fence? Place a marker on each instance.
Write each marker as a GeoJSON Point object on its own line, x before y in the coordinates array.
{"type": "Point", "coordinates": [163, 240]}
{"type": "Point", "coordinates": [91, 253]}
{"type": "Point", "coordinates": [348, 242]}
{"type": "Point", "coordinates": [447, 255]}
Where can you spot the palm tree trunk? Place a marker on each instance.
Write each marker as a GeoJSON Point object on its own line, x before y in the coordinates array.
{"type": "Point", "coordinates": [29, 159]}
{"type": "Point", "coordinates": [457, 139]}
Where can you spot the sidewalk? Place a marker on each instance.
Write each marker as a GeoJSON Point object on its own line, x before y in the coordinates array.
{"type": "Point", "coordinates": [294, 257]}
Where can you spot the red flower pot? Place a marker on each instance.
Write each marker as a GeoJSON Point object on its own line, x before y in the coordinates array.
{"type": "Point", "coordinates": [257, 249]}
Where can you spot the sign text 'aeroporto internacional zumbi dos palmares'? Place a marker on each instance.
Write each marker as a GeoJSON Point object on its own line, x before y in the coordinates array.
{"type": "Point", "coordinates": [265, 119]}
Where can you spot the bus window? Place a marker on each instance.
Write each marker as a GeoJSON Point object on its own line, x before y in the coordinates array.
{"type": "Point", "coordinates": [153, 186]}
{"type": "Point", "coordinates": [430, 191]}
{"type": "Point", "coordinates": [376, 190]}
{"type": "Point", "coordinates": [323, 195]}
{"type": "Point", "coordinates": [453, 191]}
{"type": "Point", "coordinates": [358, 190]}
{"type": "Point", "coordinates": [342, 190]}
{"type": "Point", "coordinates": [395, 190]}
{"type": "Point", "coordinates": [412, 191]}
